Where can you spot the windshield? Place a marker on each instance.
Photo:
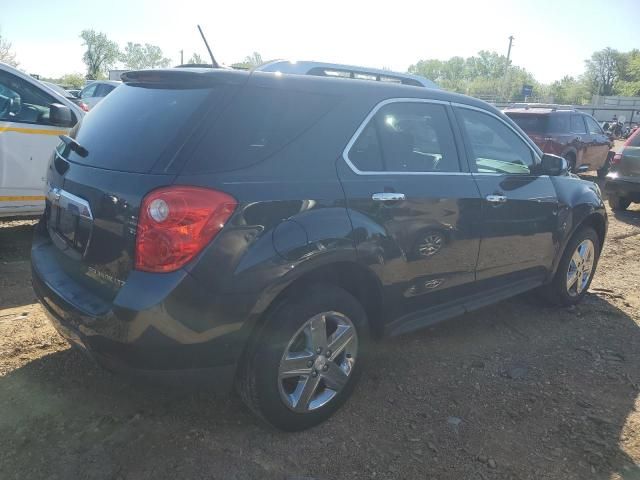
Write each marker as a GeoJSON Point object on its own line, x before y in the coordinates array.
{"type": "Point", "coordinates": [533, 123]}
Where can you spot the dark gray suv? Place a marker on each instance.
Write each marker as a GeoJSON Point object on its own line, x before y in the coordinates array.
{"type": "Point", "coordinates": [265, 230]}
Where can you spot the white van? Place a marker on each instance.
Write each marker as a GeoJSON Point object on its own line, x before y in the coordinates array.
{"type": "Point", "coordinates": [32, 117]}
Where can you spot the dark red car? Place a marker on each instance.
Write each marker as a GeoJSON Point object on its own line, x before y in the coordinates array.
{"type": "Point", "coordinates": [569, 133]}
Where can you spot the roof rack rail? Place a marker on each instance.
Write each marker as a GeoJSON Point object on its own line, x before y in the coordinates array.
{"type": "Point", "coordinates": [549, 106]}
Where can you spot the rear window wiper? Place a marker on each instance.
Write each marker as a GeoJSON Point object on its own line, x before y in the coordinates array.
{"type": "Point", "coordinates": [74, 145]}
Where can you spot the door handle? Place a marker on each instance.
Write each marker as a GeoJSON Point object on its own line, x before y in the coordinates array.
{"type": "Point", "coordinates": [497, 199]}
{"type": "Point", "coordinates": [387, 197]}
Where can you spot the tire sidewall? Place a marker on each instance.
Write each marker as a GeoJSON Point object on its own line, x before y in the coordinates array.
{"type": "Point", "coordinates": [281, 325]}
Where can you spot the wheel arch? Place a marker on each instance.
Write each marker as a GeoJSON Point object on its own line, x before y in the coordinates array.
{"type": "Point", "coordinates": [355, 278]}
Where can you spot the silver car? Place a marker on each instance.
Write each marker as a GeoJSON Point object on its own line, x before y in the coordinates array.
{"type": "Point", "coordinates": [96, 91]}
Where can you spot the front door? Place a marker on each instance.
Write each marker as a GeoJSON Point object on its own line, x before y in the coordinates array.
{"type": "Point", "coordinates": [27, 142]}
{"type": "Point", "coordinates": [414, 205]}
{"type": "Point", "coordinates": [519, 207]}
{"type": "Point", "coordinates": [599, 144]}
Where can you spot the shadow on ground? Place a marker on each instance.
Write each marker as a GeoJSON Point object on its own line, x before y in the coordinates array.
{"type": "Point", "coordinates": [517, 390]}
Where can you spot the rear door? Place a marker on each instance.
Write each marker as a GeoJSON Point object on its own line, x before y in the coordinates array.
{"type": "Point", "coordinates": [413, 203]}
{"type": "Point", "coordinates": [519, 207]}
{"type": "Point", "coordinates": [26, 142]}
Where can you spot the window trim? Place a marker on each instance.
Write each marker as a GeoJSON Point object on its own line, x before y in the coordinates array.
{"type": "Point", "coordinates": [536, 156]}
{"type": "Point", "coordinates": [372, 113]}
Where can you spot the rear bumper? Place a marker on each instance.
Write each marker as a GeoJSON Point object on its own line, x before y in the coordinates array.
{"type": "Point", "coordinates": [623, 188]}
{"type": "Point", "coordinates": [178, 333]}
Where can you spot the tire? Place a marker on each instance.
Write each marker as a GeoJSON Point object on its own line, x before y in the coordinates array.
{"type": "Point", "coordinates": [618, 203]}
{"type": "Point", "coordinates": [288, 329]}
{"type": "Point", "coordinates": [558, 291]}
{"type": "Point", "coordinates": [571, 162]}
{"type": "Point", "coordinates": [602, 172]}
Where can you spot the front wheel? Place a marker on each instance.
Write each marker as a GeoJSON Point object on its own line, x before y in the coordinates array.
{"type": "Point", "coordinates": [305, 364]}
{"type": "Point", "coordinates": [576, 268]}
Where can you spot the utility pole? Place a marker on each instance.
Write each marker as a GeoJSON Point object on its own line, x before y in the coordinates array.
{"type": "Point", "coordinates": [181, 57]}
{"type": "Point", "coordinates": [506, 68]}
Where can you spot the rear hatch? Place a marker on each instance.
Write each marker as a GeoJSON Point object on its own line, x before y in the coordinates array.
{"type": "Point", "coordinates": [133, 141]}
{"type": "Point", "coordinates": [535, 125]}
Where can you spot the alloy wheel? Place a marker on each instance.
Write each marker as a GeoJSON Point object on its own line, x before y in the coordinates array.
{"type": "Point", "coordinates": [318, 362]}
{"type": "Point", "coordinates": [580, 268]}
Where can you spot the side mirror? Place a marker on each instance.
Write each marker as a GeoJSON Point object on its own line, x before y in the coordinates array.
{"type": "Point", "coordinates": [553, 165]}
{"type": "Point", "coordinates": [60, 115]}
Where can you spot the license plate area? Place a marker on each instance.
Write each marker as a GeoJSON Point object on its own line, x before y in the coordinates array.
{"type": "Point", "coordinates": [70, 219]}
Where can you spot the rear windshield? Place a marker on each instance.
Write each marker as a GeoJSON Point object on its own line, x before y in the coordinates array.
{"type": "Point", "coordinates": [534, 123]}
{"type": "Point", "coordinates": [256, 124]}
{"type": "Point", "coordinates": [135, 127]}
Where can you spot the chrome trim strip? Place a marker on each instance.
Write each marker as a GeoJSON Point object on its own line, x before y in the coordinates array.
{"type": "Point", "coordinates": [363, 125]}
{"type": "Point", "coordinates": [63, 199]}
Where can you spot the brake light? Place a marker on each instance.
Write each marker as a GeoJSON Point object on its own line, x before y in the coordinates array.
{"type": "Point", "coordinates": [84, 106]}
{"type": "Point", "coordinates": [616, 159]}
{"type": "Point", "coordinates": [176, 223]}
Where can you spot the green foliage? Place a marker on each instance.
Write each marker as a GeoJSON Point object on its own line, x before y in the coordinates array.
{"type": "Point", "coordinates": [137, 57]}
{"type": "Point", "coordinates": [249, 62]}
{"type": "Point", "coordinates": [602, 71]}
{"type": "Point", "coordinates": [101, 54]}
{"type": "Point", "coordinates": [75, 80]}
{"type": "Point", "coordinates": [570, 90]}
{"type": "Point", "coordinates": [484, 75]}
{"type": "Point", "coordinates": [6, 55]}
{"type": "Point", "coordinates": [196, 59]}
{"type": "Point", "coordinates": [628, 83]}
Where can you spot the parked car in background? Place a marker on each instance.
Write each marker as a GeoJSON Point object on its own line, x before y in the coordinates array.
{"type": "Point", "coordinates": [337, 70]}
{"type": "Point", "coordinates": [74, 92]}
{"type": "Point", "coordinates": [32, 116]}
{"type": "Point", "coordinates": [572, 134]}
{"type": "Point", "coordinates": [623, 182]}
{"type": "Point", "coordinates": [260, 228]}
{"type": "Point", "coordinates": [68, 95]}
{"type": "Point", "coordinates": [94, 92]}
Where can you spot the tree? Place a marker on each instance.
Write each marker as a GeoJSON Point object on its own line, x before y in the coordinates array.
{"type": "Point", "coordinates": [251, 61]}
{"type": "Point", "coordinates": [628, 83]}
{"type": "Point", "coordinates": [570, 90]}
{"type": "Point", "coordinates": [138, 57]}
{"type": "Point", "coordinates": [101, 53]}
{"type": "Point", "coordinates": [75, 80]}
{"type": "Point", "coordinates": [6, 55]}
{"type": "Point", "coordinates": [602, 71]}
{"type": "Point", "coordinates": [196, 59]}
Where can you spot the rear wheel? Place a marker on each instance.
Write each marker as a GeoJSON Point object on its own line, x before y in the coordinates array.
{"type": "Point", "coordinates": [619, 203]}
{"type": "Point", "coordinates": [576, 268]}
{"type": "Point", "coordinates": [305, 364]}
{"type": "Point", "coordinates": [602, 172]}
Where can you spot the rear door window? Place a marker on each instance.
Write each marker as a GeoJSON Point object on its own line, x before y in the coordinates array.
{"type": "Point", "coordinates": [138, 126]}
{"type": "Point", "coordinates": [559, 123]}
{"type": "Point", "coordinates": [258, 123]}
{"type": "Point", "coordinates": [89, 91]}
{"type": "Point", "coordinates": [577, 124]}
{"type": "Point", "coordinates": [406, 137]}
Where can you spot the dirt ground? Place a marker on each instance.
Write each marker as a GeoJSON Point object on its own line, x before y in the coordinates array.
{"type": "Point", "coordinates": [518, 390]}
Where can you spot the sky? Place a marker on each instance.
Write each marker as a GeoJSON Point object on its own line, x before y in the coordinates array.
{"type": "Point", "coordinates": [552, 37]}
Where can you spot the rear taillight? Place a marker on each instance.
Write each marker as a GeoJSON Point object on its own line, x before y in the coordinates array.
{"type": "Point", "coordinates": [616, 159]}
{"type": "Point", "coordinates": [176, 223]}
{"type": "Point", "coordinates": [84, 106]}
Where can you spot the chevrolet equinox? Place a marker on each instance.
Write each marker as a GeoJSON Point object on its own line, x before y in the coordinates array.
{"type": "Point", "coordinates": [263, 230]}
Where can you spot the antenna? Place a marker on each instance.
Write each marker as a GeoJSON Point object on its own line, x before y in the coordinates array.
{"type": "Point", "coordinates": [204, 39]}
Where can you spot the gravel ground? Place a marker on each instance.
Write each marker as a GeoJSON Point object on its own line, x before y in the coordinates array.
{"type": "Point", "coordinates": [518, 390]}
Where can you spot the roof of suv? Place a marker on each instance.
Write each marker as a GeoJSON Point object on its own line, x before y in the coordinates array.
{"type": "Point", "coordinates": [380, 90]}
